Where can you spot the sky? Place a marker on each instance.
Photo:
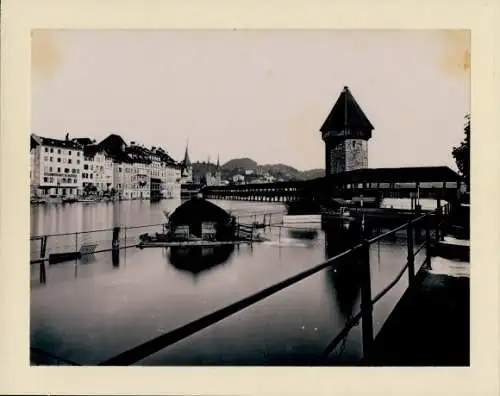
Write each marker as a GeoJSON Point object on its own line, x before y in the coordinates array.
{"type": "Point", "coordinates": [262, 94]}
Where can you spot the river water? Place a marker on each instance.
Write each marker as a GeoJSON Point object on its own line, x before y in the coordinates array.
{"type": "Point", "coordinates": [92, 309]}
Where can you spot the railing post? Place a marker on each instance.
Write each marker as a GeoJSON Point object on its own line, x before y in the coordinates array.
{"type": "Point", "coordinates": [366, 298]}
{"type": "Point", "coordinates": [43, 247]}
{"type": "Point", "coordinates": [439, 229]}
{"type": "Point", "coordinates": [116, 241]}
{"type": "Point", "coordinates": [43, 274]}
{"type": "Point", "coordinates": [427, 243]}
{"type": "Point", "coordinates": [411, 258]}
{"type": "Point", "coordinates": [76, 246]}
{"type": "Point", "coordinates": [438, 220]}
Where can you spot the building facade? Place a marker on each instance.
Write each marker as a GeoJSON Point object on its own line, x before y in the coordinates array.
{"type": "Point", "coordinates": [81, 167]}
{"type": "Point", "coordinates": [214, 178]}
{"type": "Point", "coordinates": [346, 132]}
{"type": "Point", "coordinates": [56, 167]}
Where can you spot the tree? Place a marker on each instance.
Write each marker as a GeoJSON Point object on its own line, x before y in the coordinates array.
{"type": "Point", "coordinates": [461, 153]}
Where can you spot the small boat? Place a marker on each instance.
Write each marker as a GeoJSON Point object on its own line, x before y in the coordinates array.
{"type": "Point", "coordinates": [38, 201]}
{"type": "Point", "coordinates": [69, 199]}
{"type": "Point", "coordinates": [87, 199]}
{"type": "Point", "coordinates": [54, 199]}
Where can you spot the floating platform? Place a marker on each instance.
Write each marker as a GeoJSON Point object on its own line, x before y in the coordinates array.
{"type": "Point", "coordinates": [299, 219]}
{"type": "Point", "coordinates": [197, 243]}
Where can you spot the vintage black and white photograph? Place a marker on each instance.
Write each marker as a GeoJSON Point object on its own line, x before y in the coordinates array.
{"type": "Point", "coordinates": [235, 197]}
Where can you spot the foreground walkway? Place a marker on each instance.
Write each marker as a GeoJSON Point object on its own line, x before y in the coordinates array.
{"type": "Point", "coordinates": [430, 325]}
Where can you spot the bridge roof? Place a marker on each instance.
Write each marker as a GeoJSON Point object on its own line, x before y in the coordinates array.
{"type": "Point", "coordinates": [346, 112]}
{"type": "Point", "coordinates": [394, 175]}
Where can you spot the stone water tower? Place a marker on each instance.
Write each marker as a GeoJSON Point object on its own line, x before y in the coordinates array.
{"type": "Point", "coordinates": [345, 132]}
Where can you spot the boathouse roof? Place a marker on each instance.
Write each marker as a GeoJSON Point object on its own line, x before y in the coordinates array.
{"type": "Point", "coordinates": [198, 210]}
{"type": "Point", "coordinates": [346, 112]}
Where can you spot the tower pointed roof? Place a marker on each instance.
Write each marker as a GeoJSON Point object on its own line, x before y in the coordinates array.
{"type": "Point", "coordinates": [346, 113]}
{"type": "Point", "coordinates": [186, 163]}
{"type": "Point", "coordinates": [218, 163]}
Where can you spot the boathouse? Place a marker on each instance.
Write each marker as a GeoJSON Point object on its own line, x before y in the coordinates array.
{"type": "Point", "coordinates": [201, 219]}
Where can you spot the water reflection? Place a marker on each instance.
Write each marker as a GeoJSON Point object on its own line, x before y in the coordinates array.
{"type": "Point", "coordinates": [115, 258]}
{"type": "Point", "coordinates": [199, 259]}
{"type": "Point", "coordinates": [343, 278]}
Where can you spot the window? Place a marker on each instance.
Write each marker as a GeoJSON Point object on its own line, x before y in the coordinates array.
{"type": "Point", "coordinates": [58, 170]}
{"type": "Point", "coordinates": [73, 170]}
{"type": "Point", "coordinates": [78, 161]}
{"type": "Point", "coordinates": [51, 150]}
{"type": "Point", "coordinates": [51, 159]}
{"type": "Point", "coordinates": [85, 167]}
{"type": "Point", "coordinates": [58, 152]}
{"type": "Point", "coordinates": [69, 160]}
{"type": "Point", "coordinates": [59, 160]}
{"type": "Point", "coordinates": [51, 179]}
{"type": "Point", "coordinates": [63, 180]}
{"type": "Point", "coordinates": [46, 149]}
{"type": "Point", "coordinates": [69, 152]}
{"type": "Point", "coordinates": [50, 169]}
{"type": "Point", "coordinates": [77, 153]}
{"type": "Point", "coordinates": [91, 176]}
{"type": "Point", "coordinates": [66, 170]}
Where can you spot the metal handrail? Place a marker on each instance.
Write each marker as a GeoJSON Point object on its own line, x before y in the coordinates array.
{"type": "Point", "coordinates": [37, 237]}
{"type": "Point", "coordinates": [156, 344]}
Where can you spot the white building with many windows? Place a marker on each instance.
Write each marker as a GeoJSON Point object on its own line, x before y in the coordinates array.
{"type": "Point", "coordinates": [56, 167]}
{"type": "Point", "coordinates": [82, 167]}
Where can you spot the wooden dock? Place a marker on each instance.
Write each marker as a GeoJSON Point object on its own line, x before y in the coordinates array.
{"type": "Point", "coordinates": [193, 243]}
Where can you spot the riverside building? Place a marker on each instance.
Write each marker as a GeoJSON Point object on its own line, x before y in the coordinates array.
{"type": "Point", "coordinates": [82, 167]}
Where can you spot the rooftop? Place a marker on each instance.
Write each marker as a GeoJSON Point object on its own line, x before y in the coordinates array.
{"type": "Point", "coordinates": [69, 144]}
{"type": "Point", "coordinates": [346, 112]}
{"type": "Point", "coordinates": [407, 174]}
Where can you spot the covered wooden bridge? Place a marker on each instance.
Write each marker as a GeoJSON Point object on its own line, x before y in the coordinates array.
{"type": "Point", "coordinates": [438, 182]}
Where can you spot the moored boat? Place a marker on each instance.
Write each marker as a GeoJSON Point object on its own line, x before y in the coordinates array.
{"type": "Point", "coordinates": [69, 199]}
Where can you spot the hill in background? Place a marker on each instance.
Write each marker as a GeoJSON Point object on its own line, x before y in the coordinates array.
{"type": "Point", "coordinates": [240, 165]}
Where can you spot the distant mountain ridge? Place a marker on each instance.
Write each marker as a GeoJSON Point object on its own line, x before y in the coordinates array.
{"type": "Point", "coordinates": [240, 165]}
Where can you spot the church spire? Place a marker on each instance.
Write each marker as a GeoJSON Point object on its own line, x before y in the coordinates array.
{"type": "Point", "coordinates": [218, 163]}
{"type": "Point", "coordinates": [186, 162]}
